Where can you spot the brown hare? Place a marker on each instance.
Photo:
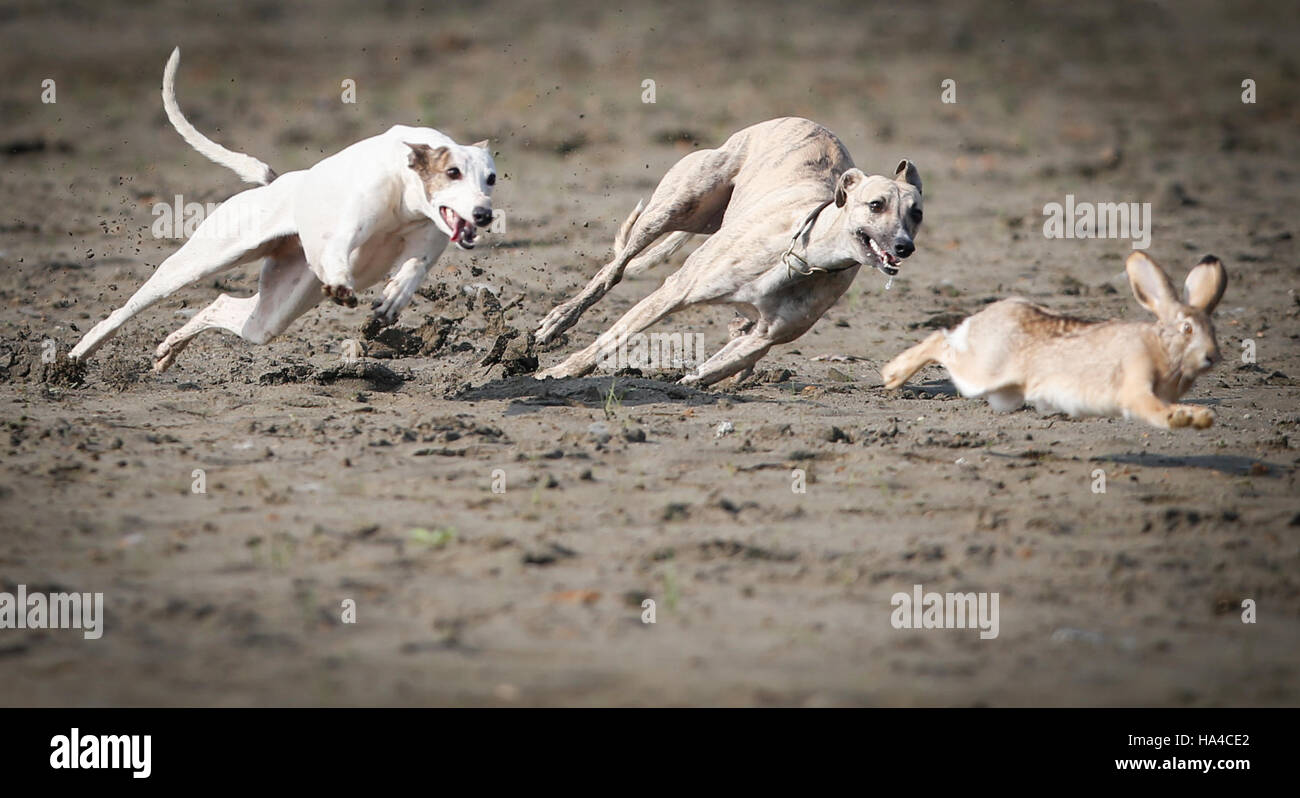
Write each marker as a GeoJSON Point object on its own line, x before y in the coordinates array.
{"type": "Point", "coordinates": [1015, 352]}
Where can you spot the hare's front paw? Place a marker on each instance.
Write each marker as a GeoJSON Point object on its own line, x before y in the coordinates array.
{"type": "Point", "coordinates": [894, 375]}
{"type": "Point", "coordinates": [1190, 416]}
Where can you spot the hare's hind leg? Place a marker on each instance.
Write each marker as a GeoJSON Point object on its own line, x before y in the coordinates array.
{"type": "Point", "coordinates": [901, 368]}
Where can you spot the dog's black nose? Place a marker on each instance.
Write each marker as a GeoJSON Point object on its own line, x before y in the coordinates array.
{"type": "Point", "coordinates": [904, 248]}
{"type": "Point", "coordinates": [482, 216]}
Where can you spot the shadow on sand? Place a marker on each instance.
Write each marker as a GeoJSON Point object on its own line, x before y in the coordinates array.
{"type": "Point", "coordinates": [1232, 464]}
{"type": "Point", "coordinates": [528, 394]}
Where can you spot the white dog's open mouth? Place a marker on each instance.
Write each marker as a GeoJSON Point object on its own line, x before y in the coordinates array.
{"type": "Point", "coordinates": [886, 262]}
{"type": "Point", "coordinates": [462, 232]}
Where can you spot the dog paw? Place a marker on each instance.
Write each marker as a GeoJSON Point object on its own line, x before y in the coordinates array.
{"type": "Point", "coordinates": [388, 307]}
{"type": "Point", "coordinates": [557, 321]}
{"type": "Point", "coordinates": [567, 369]}
{"type": "Point", "coordinates": [166, 354]}
{"type": "Point", "coordinates": [341, 294]}
{"type": "Point", "coordinates": [384, 315]}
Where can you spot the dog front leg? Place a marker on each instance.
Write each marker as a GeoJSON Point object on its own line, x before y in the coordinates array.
{"type": "Point", "coordinates": [418, 256]}
{"type": "Point", "coordinates": [338, 280]}
{"type": "Point", "coordinates": [566, 314]}
{"type": "Point", "coordinates": [739, 355]}
{"type": "Point", "coordinates": [400, 289]}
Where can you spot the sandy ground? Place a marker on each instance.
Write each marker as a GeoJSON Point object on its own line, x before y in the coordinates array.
{"type": "Point", "coordinates": [373, 481]}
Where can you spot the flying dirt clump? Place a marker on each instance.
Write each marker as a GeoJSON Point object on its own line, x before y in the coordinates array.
{"type": "Point", "coordinates": [514, 349]}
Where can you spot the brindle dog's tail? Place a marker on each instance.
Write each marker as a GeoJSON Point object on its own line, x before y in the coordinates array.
{"type": "Point", "coordinates": [660, 252]}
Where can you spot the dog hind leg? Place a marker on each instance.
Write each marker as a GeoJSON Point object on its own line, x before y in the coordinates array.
{"type": "Point", "coordinates": [286, 290]}
{"type": "Point", "coordinates": [664, 301]}
{"type": "Point", "coordinates": [690, 198]}
{"type": "Point", "coordinates": [226, 312]}
{"type": "Point", "coordinates": [206, 253]}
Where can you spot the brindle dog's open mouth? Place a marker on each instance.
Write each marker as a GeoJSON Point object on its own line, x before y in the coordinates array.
{"type": "Point", "coordinates": [886, 262]}
{"type": "Point", "coordinates": [462, 231]}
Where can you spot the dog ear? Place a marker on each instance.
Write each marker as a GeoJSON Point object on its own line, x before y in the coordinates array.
{"type": "Point", "coordinates": [1151, 285]}
{"type": "Point", "coordinates": [847, 182]}
{"type": "Point", "coordinates": [482, 145]}
{"type": "Point", "coordinates": [1205, 283]}
{"type": "Point", "coordinates": [424, 159]}
{"type": "Point", "coordinates": [907, 173]}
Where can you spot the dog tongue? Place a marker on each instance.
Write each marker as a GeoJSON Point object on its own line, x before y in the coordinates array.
{"type": "Point", "coordinates": [453, 221]}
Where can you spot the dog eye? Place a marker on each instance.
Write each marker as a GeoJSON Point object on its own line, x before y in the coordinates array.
{"type": "Point", "coordinates": [1187, 328]}
{"type": "Point", "coordinates": [492, 180]}
{"type": "Point", "coordinates": [916, 217]}
{"type": "Point", "coordinates": [876, 206]}
{"type": "Point", "coordinates": [453, 173]}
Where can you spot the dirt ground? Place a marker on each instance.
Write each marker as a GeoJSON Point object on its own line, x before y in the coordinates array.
{"type": "Point", "coordinates": [373, 481]}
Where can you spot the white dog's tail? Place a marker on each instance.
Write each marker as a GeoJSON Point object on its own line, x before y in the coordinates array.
{"type": "Point", "coordinates": [652, 257]}
{"type": "Point", "coordinates": [247, 167]}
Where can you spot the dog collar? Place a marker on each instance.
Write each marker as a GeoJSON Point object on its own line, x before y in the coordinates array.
{"type": "Point", "coordinates": [804, 268]}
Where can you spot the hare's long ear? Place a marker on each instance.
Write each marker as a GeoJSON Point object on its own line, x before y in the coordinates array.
{"type": "Point", "coordinates": [1151, 285]}
{"type": "Point", "coordinates": [1205, 284]}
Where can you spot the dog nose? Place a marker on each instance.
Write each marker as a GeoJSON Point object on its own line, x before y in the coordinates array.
{"type": "Point", "coordinates": [904, 248]}
{"type": "Point", "coordinates": [482, 216]}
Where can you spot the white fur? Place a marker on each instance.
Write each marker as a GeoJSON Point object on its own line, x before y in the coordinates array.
{"type": "Point", "coordinates": [335, 228]}
{"type": "Point", "coordinates": [958, 338]}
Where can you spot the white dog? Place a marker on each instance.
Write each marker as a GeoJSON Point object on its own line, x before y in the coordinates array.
{"type": "Point", "coordinates": [393, 200]}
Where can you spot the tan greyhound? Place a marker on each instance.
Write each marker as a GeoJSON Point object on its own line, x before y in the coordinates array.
{"type": "Point", "coordinates": [791, 221]}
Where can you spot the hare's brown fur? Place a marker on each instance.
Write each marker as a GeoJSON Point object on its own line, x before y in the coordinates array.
{"type": "Point", "coordinates": [1015, 351]}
